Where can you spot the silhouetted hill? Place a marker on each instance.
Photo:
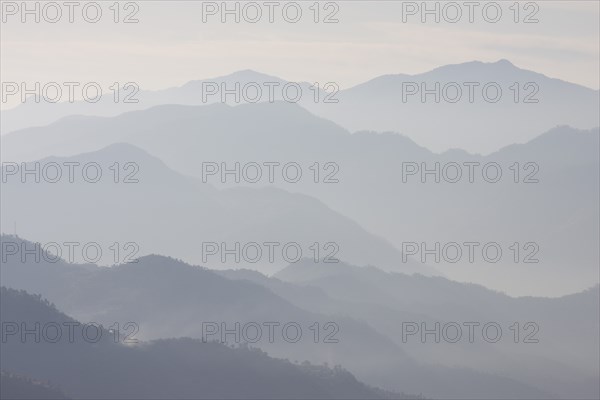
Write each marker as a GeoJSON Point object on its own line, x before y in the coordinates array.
{"type": "Point", "coordinates": [567, 327]}
{"type": "Point", "coordinates": [178, 368]}
{"type": "Point", "coordinates": [170, 299]}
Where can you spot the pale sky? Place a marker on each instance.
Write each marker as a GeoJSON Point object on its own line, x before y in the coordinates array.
{"type": "Point", "coordinates": [171, 45]}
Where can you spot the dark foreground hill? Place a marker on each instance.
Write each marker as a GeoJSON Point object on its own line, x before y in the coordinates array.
{"type": "Point", "coordinates": [183, 368]}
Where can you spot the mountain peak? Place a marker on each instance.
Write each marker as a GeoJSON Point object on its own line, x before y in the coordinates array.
{"type": "Point", "coordinates": [504, 62]}
{"type": "Point", "coordinates": [474, 67]}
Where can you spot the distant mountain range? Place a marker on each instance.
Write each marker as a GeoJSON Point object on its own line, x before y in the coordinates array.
{"type": "Point", "coordinates": [169, 299]}
{"type": "Point", "coordinates": [466, 109]}
{"type": "Point", "coordinates": [554, 198]}
{"type": "Point", "coordinates": [483, 125]}
{"type": "Point", "coordinates": [388, 299]}
{"type": "Point", "coordinates": [183, 210]}
{"type": "Point", "coordinates": [164, 205]}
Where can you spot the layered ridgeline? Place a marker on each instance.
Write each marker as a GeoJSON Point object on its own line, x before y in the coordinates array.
{"type": "Point", "coordinates": [169, 299]}
{"type": "Point", "coordinates": [551, 343]}
{"type": "Point", "coordinates": [103, 365]}
{"type": "Point", "coordinates": [541, 195]}
{"type": "Point", "coordinates": [121, 196]}
{"type": "Point", "coordinates": [475, 106]}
